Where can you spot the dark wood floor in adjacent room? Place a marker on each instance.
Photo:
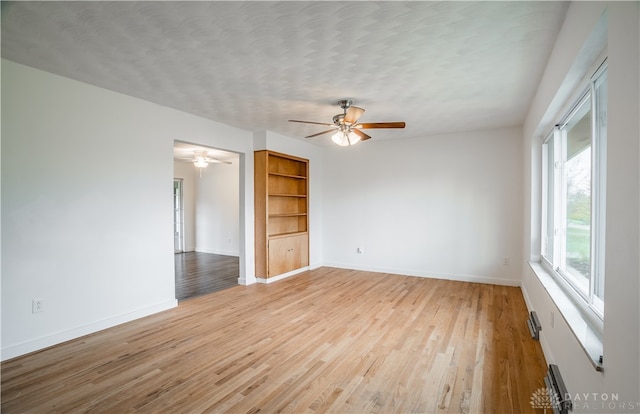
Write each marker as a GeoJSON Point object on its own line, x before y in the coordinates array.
{"type": "Point", "coordinates": [202, 273]}
{"type": "Point", "coordinates": [328, 340]}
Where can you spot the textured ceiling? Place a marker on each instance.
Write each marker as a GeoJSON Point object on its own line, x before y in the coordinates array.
{"type": "Point", "coordinates": [438, 66]}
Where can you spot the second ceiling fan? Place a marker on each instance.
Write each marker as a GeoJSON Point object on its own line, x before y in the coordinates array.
{"type": "Point", "coordinates": [346, 127]}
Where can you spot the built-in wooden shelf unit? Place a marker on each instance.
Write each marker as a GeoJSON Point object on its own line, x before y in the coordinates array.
{"type": "Point", "coordinates": [281, 213]}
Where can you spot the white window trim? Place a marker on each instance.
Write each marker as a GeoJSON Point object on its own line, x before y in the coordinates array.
{"type": "Point", "coordinates": [589, 314]}
{"type": "Point", "coordinates": [585, 321]}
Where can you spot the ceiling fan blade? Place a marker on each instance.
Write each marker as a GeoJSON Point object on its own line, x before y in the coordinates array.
{"type": "Point", "coordinates": [320, 133]}
{"type": "Point", "coordinates": [217, 161]}
{"type": "Point", "coordinates": [372, 125]}
{"type": "Point", "coordinates": [363, 136]}
{"type": "Point", "coordinates": [310, 122]}
{"type": "Point", "coordinates": [353, 113]}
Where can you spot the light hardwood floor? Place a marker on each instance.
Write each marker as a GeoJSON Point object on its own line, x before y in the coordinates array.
{"type": "Point", "coordinates": [329, 340]}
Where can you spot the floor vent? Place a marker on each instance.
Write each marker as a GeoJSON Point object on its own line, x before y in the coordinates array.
{"type": "Point", "coordinates": [534, 325]}
{"type": "Point", "coordinates": [561, 402]}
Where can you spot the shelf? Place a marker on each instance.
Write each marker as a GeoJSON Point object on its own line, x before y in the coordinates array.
{"type": "Point", "coordinates": [288, 215]}
{"type": "Point", "coordinates": [287, 223]}
{"type": "Point", "coordinates": [288, 195]}
{"type": "Point", "coordinates": [283, 185]}
{"type": "Point", "coordinates": [281, 235]}
{"type": "Point", "coordinates": [299, 177]}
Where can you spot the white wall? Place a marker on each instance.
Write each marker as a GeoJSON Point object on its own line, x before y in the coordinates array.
{"type": "Point", "coordinates": [187, 173]}
{"type": "Point", "coordinates": [217, 210]}
{"type": "Point", "coordinates": [622, 313]}
{"type": "Point", "coordinates": [87, 205]}
{"type": "Point", "coordinates": [622, 306]}
{"type": "Point", "coordinates": [445, 206]}
{"type": "Point", "coordinates": [211, 204]}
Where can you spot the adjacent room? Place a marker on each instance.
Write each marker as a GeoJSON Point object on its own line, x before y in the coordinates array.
{"type": "Point", "coordinates": [206, 183]}
{"type": "Point", "coordinates": [320, 207]}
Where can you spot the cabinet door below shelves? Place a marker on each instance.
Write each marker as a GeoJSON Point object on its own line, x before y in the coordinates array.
{"type": "Point", "coordinates": [288, 253]}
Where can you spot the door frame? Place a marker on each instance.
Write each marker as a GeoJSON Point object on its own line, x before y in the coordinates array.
{"type": "Point", "coordinates": [178, 216]}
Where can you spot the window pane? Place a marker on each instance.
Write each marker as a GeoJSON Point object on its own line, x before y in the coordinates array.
{"type": "Point", "coordinates": [574, 164]}
{"type": "Point", "coordinates": [577, 175]}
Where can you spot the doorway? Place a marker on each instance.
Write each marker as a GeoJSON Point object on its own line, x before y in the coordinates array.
{"type": "Point", "coordinates": [207, 218]}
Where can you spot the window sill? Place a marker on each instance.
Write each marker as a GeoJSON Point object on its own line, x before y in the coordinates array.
{"type": "Point", "coordinates": [588, 338]}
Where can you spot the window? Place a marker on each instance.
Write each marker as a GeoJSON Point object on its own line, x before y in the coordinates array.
{"type": "Point", "coordinates": [574, 167]}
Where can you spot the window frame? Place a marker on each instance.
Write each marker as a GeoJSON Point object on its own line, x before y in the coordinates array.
{"type": "Point", "coordinates": [553, 201]}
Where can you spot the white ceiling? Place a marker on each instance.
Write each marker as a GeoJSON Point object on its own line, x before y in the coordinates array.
{"type": "Point", "coordinates": [438, 66]}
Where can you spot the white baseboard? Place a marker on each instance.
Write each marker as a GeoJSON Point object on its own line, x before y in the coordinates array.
{"type": "Point", "coordinates": [314, 266]}
{"type": "Point", "coordinates": [431, 275]}
{"type": "Point", "coordinates": [59, 337]}
{"type": "Point", "coordinates": [245, 281]}
{"type": "Point", "coordinates": [233, 253]}
{"type": "Point", "coordinates": [282, 276]}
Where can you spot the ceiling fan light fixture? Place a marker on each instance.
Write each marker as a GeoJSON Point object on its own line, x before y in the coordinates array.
{"type": "Point", "coordinates": [340, 139]}
{"type": "Point", "coordinates": [200, 159]}
{"type": "Point", "coordinates": [353, 138]}
{"type": "Point", "coordinates": [200, 163]}
{"type": "Point", "coordinates": [345, 138]}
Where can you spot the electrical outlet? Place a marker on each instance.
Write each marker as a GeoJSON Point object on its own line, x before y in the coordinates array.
{"type": "Point", "coordinates": [506, 261]}
{"type": "Point", "coordinates": [37, 305]}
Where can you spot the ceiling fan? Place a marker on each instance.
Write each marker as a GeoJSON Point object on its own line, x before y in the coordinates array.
{"type": "Point", "coordinates": [201, 159]}
{"type": "Point", "coordinates": [348, 130]}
